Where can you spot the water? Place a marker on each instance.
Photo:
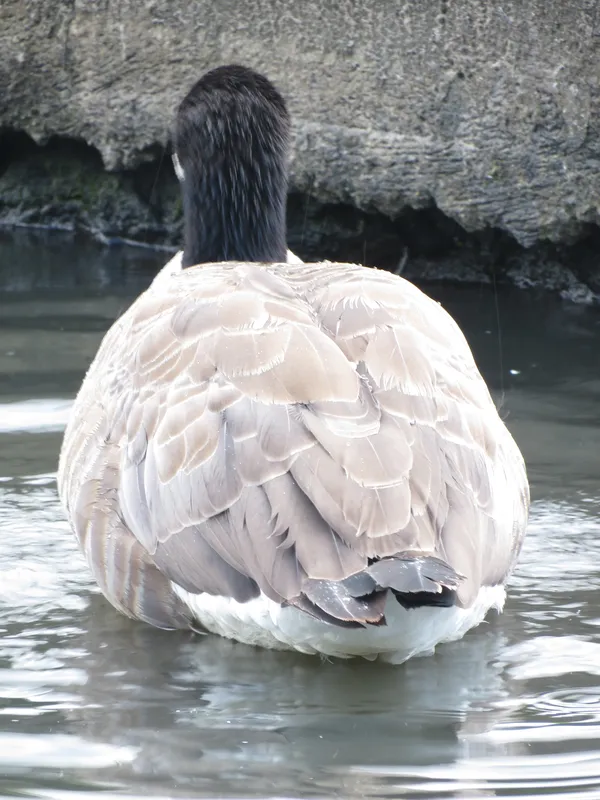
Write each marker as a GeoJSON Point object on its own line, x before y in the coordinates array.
{"type": "Point", "coordinates": [92, 703]}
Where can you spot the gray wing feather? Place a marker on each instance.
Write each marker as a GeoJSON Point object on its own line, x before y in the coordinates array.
{"type": "Point", "coordinates": [280, 428]}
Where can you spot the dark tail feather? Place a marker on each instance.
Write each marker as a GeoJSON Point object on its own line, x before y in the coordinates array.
{"type": "Point", "coordinates": [417, 580]}
{"type": "Point", "coordinates": [359, 600]}
{"type": "Point", "coordinates": [331, 601]}
{"type": "Point", "coordinates": [414, 574]}
{"type": "Point", "coordinates": [367, 611]}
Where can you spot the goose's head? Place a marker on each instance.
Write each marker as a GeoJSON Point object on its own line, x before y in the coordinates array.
{"type": "Point", "coordinates": [231, 143]}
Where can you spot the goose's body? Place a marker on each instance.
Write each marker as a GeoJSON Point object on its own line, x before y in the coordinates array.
{"type": "Point", "coordinates": [298, 456]}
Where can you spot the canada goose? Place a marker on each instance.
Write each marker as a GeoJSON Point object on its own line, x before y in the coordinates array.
{"type": "Point", "coordinates": [298, 456]}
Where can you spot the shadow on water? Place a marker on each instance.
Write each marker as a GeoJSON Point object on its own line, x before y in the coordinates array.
{"type": "Point", "coordinates": [93, 703]}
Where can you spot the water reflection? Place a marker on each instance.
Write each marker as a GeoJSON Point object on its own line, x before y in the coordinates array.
{"type": "Point", "coordinates": [90, 702]}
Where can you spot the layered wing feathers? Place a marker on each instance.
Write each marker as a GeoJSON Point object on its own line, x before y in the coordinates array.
{"type": "Point", "coordinates": [273, 429]}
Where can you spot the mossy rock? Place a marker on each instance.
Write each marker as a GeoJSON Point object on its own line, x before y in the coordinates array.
{"type": "Point", "coordinates": [57, 188]}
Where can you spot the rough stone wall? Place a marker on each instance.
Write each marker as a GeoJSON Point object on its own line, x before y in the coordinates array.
{"type": "Point", "coordinates": [488, 110]}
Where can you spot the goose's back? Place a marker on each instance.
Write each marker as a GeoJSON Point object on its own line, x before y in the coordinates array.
{"type": "Point", "coordinates": [245, 429]}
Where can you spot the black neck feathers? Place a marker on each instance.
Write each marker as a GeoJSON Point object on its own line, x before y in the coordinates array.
{"type": "Point", "coordinates": [231, 141]}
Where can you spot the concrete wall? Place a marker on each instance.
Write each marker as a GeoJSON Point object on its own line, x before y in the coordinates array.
{"type": "Point", "coordinates": [487, 109]}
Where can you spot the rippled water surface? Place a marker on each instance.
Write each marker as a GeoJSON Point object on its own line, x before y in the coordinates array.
{"type": "Point", "coordinates": [90, 702]}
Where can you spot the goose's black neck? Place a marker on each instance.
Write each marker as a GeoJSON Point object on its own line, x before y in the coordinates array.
{"type": "Point", "coordinates": [231, 140]}
{"type": "Point", "coordinates": [234, 212]}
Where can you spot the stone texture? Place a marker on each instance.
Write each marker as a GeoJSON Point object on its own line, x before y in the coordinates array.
{"type": "Point", "coordinates": [487, 110]}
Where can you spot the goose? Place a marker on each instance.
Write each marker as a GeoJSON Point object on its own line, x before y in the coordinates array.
{"type": "Point", "coordinates": [295, 456]}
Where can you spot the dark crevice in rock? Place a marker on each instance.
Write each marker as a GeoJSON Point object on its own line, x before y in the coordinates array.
{"type": "Point", "coordinates": [346, 233]}
{"type": "Point", "coordinates": [14, 146]}
{"type": "Point", "coordinates": [425, 244]}
{"type": "Point", "coordinates": [64, 185]}
{"type": "Point", "coordinates": [18, 146]}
